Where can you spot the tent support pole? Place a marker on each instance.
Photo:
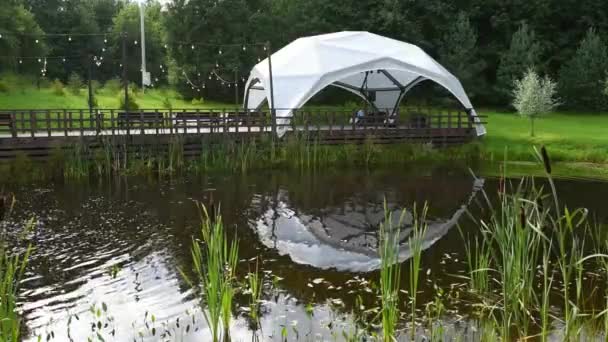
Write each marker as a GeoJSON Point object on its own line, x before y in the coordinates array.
{"type": "Point", "coordinates": [273, 113]}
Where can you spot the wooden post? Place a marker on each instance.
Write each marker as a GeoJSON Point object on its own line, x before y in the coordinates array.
{"type": "Point", "coordinates": [459, 119]}
{"type": "Point", "coordinates": [125, 79]}
{"type": "Point", "coordinates": [112, 121]}
{"type": "Point", "coordinates": [160, 116]}
{"type": "Point", "coordinates": [198, 122]}
{"type": "Point", "coordinates": [13, 125]}
{"type": "Point", "coordinates": [171, 121]}
{"type": "Point", "coordinates": [236, 87]}
{"type": "Point", "coordinates": [48, 122]}
{"type": "Point", "coordinates": [273, 113]}
{"type": "Point", "coordinates": [33, 122]}
{"type": "Point", "coordinates": [90, 86]}
{"type": "Point", "coordinates": [142, 127]}
{"type": "Point", "coordinates": [81, 120]}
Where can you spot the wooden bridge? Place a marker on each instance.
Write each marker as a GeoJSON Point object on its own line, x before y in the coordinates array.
{"type": "Point", "coordinates": [37, 132]}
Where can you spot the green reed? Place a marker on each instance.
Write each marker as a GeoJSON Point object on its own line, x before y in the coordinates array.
{"type": "Point", "coordinates": [416, 240]}
{"type": "Point", "coordinates": [215, 261]}
{"type": "Point", "coordinates": [255, 291]}
{"type": "Point", "coordinates": [12, 268]}
{"type": "Point", "coordinates": [390, 275]}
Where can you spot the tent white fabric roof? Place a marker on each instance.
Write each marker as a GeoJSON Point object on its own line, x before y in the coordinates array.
{"type": "Point", "coordinates": [360, 62]}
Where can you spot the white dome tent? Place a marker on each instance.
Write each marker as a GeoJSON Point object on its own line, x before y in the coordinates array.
{"type": "Point", "coordinates": [378, 69]}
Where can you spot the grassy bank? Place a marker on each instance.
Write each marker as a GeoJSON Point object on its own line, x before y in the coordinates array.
{"type": "Point", "coordinates": [578, 142]}
{"type": "Point", "coordinates": [572, 137]}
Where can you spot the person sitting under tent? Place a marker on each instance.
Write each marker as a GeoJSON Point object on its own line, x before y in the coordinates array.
{"type": "Point", "coordinates": [358, 116]}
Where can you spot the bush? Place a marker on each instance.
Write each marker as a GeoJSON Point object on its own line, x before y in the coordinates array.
{"type": "Point", "coordinates": [112, 85]}
{"type": "Point", "coordinates": [4, 87]}
{"type": "Point", "coordinates": [96, 86]}
{"type": "Point", "coordinates": [196, 102]}
{"type": "Point", "coordinates": [133, 105]}
{"type": "Point", "coordinates": [134, 89]}
{"type": "Point", "coordinates": [167, 103]}
{"type": "Point", "coordinates": [75, 83]}
{"type": "Point", "coordinates": [93, 101]}
{"type": "Point", "coordinates": [57, 88]}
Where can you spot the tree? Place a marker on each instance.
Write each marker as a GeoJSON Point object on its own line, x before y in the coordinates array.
{"type": "Point", "coordinates": [127, 21]}
{"type": "Point", "coordinates": [523, 54]}
{"type": "Point", "coordinates": [17, 24]}
{"type": "Point", "coordinates": [581, 78]}
{"type": "Point", "coordinates": [534, 96]}
{"type": "Point", "coordinates": [458, 53]}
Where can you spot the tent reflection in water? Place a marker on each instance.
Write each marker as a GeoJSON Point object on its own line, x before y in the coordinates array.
{"type": "Point", "coordinates": [378, 69]}
{"type": "Point", "coordinates": [345, 239]}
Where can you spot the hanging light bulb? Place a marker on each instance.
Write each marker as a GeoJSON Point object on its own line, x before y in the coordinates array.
{"type": "Point", "coordinates": [244, 48]}
{"type": "Point", "coordinates": [204, 86]}
{"type": "Point", "coordinates": [192, 46]}
{"type": "Point", "coordinates": [0, 35]}
{"type": "Point", "coordinates": [105, 40]}
{"type": "Point", "coordinates": [69, 39]}
{"type": "Point", "coordinates": [265, 48]}
{"type": "Point", "coordinates": [136, 42]}
{"type": "Point", "coordinates": [220, 51]}
{"type": "Point", "coordinates": [209, 76]}
{"type": "Point", "coordinates": [21, 61]}
{"type": "Point", "coordinates": [39, 60]}
{"type": "Point", "coordinates": [37, 41]}
{"type": "Point", "coordinates": [229, 85]}
{"type": "Point", "coordinates": [217, 65]}
{"type": "Point", "coordinates": [63, 60]}
{"type": "Point", "coordinates": [165, 46]}
{"type": "Point", "coordinates": [103, 49]}
{"type": "Point", "coordinates": [259, 60]}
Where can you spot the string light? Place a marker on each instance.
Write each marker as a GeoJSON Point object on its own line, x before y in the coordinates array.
{"type": "Point", "coordinates": [36, 41]}
{"type": "Point", "coordinates": [244, 48]}
{"type": "Point", "coordinates": [105, 40]}
{"type": "Point", "coordinates": [69, 39]}
{"type": "Point", "coordinates": [220, 51]}
{"type": "Point", "coordinates": [21, 61]}
{"type": "Point", "coordinates": [192, 46]}
{"type": "Point", "coordinates": [136, 42]}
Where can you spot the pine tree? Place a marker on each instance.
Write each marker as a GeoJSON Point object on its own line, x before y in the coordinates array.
{"type": "Point", "coordinates": [581, 78]}
{"type": "Point", "coordinates": [523, 54]}
{"type": "Point", "coordinates": [458, 53]}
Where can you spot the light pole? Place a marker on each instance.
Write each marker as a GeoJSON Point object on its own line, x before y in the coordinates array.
{"type": "Point", "coordinates": [144, 74]}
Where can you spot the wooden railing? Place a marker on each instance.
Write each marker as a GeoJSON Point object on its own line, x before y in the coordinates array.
{"type": "Point", "coordinates": [109, 122]}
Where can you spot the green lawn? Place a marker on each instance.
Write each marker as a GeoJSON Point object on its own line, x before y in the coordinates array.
{"type": "Point", "coordinates": [568, 137]}
{"type": "Point", "coordinates": [32, 98]}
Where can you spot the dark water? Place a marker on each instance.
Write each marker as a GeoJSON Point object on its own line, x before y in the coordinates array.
{"type": "Point", "coordinates": [315, 235]}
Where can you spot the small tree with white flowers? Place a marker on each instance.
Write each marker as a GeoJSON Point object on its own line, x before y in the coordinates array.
{"type": "Point", "coordinates": [534, 96]}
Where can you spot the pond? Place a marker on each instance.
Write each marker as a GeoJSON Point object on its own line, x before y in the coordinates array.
{"type": "Point", "coordinates": [112, 251]}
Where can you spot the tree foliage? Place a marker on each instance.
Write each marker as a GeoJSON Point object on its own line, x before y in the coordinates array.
{"type": "Point", "coordinates": [534, 96]}
{"type": "Point", "coordinates": [487, 44]}
{"type": "Point", "coordinates": [126, 26]}
{"type": "Point", "coordinates": [581, 78]}
{"type": "Point", "coordinates": [524, 53]}
{"type": "Point", "coordinates": [458, 54]}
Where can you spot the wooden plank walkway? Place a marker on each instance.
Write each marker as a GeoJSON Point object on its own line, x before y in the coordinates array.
{"type": "Point", "coordinates": [37, 133]}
